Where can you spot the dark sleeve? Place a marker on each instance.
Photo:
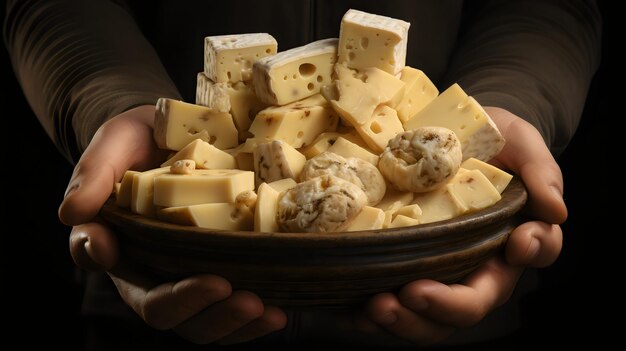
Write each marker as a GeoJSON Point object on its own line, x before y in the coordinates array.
{"type": "Point", "coordinates": [534, 58]}
{"type": "Point", "coordinates": [79, 64]}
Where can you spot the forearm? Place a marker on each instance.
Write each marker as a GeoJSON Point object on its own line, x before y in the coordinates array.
{"type": "Point", "coordinates": [81, 63]}
{"type": "Point", "coordinates": [533, 58]}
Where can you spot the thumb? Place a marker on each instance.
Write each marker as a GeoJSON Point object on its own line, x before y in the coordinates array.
{"type": "Point", "coordinates": [121, 143]}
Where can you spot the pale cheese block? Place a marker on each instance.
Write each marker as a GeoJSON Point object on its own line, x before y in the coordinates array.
{"type": "Point", "coordinates": [369, 40]}
{"type": "Point", "coordinates": [370, 218]}
{"type": "Point", "coordinates": [455, 110]}
{"type": "Point", "coordinates": [178, 123]}
{"type": "Point", "coordinates": [499, 178]}
{"type": "Point", "coordinates": [419, 91]}
{"type": "Point", "coordinates": [229, 58]}
{"type": "Point", "coordinates": [382, 126]}
{"type": "Point", "coordinates": [201, 186]}
{"type": "Point", "coordinates": [297, 124]}
{"type": "Point", "coordinates": [277, 160]}
{"type": "Point", "coordinates": [403, 221]}
{"type": "Point", "coordinates": [473, 191]}
{"type": "Point", "coordinates": [438, 205]}
{"type": "Point", "coordinates": [218, 216]}
{"type": "Point", "coordinates": [346, 148]}
{"type": "Point", "coordinates": [295, 74]}
{"type": "Point", "coordinates": [388, 218]}
{"type": "Point", "coordinates": [205, 155]}
{"type": "Point", "coordinates": [411, 211]}
{"type": "Point", "coordinates": [243, 154]}
{"type": "Point", "coordinates": [283, 184]}
{"type": "Point", "coordinates": [124, 194]}
{"type": "Point", "coordinates": [266, 209]}
{"type": "Point", "coordinates": [142, 198]}
{"type": "Point", "coordinates": [326, 140]}
{"type": "Point", "coordinates": [394, 200]}
{"type": "Point", "coordinates": [211, 94]}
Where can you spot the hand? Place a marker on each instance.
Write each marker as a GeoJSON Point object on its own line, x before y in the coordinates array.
{"type": "Point", "coordinates": [203, 308]}
{"type": "Point", "coordinates": [426, 311]}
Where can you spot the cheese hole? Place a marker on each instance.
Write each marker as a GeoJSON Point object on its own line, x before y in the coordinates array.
{"type": "Point", "coordinates": [320, 79]}
{"type": "Point", "coordinates": [348, 46]}
{"type": "Point", "coordinates": [423, 88]}
{"type": "Point", "coordinates": [463, 127]}
{"type": "Point", "coordinates": [284, 77]}
{"type": "Point", "coordinates": [375, 127]}
{"type": "Point", "coordinates": [476, 117]}
{"type": "Point", "coordinates": [212, 139]}
{"type": "Point", "coordinates": [228, 74]}
{"type": "Point", "coordinates": [233, 40]}
{"type": "Point", "coordinates": [192, 131]}
{"type": "Point", "coordinates": [351, 56]}
{"type": "Point", "coordinates": [234, 215]}
{"type": "Point", "coordinates": [268, 50]}
{"type": "Point", "coordinates": [392, 62]}
{"type": "Point", "coordinates": [310, 86]}
{"type": "Point", "coordinates": [294, 76]}
{"type": "Point", "coordinates": [365, 43]}
{"type": "Point", "coordinates": [307, 69]}
{"type": "Point", "coordinates": [300, 134]}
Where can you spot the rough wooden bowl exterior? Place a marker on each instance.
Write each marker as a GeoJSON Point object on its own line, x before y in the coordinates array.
{"type": "Point", "coordinates": [320, 270]}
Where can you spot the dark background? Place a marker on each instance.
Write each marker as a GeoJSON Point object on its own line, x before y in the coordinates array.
{"type": "Point", "coordinates": [42, 299]}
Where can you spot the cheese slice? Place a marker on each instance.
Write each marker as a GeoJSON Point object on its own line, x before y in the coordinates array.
{"type": "Point", "coordinates": [419, 91]}
{"type": "Point", "coordinates": [403, 221]}
{"type": "Point", "coordinates": [124, 194]}
{"type": "Point", "coordinates": [346, 148]}
{"type": "Point", "coordinates": [229, 58]}
{"type": "Point", "coordinates": [297, 124]}
{"type": "Point", "coordinates": [473, 191]}
{"type": "Point", "coordinates": [295, 74]}
{"type": "Point", "coordinates": [327, 139]}
{"type": "Point", "coordinates": [368, 40]}
{"type": "Point", "coordinates": [266, 209]}
{"type": "Point", "coordinates": [201, 186]}
{"type": "Point", "coordinates": [438, 205]}
{"type": "Point", "coordinates": [499, 178]}
{"type": "Point", "coordinates": [141, 201]}
{"type": "Point", "coordinates": [382, 126]}
{"type": "Point", "coordinates": [219, 216]}
{"type": "Point", "coordinates": [370, 218]}
{"type": "Point", "coordinates": [205, 155]}
{"type": "Point", "coordinates": [277, 160]}
{"type": "Point", "coordinates": [455, 110]}
{"type": "Point", "coordinates": [178, 123]}
{"type": "Point", "coordinates": [411, 211]}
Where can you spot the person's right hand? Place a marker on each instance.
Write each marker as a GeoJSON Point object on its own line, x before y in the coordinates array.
{"type": "Point", "coordinates": [203, 308]}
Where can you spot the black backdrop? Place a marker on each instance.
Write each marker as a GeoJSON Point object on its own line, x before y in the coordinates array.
{"type": "Point", "coordinates": [41, 299]}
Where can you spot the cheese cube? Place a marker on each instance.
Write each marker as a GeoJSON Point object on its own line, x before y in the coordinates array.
{"type": "Point", "coordinates": [370, 218]}
{"type": "Point", "coordinates": [394, 200]}
{"type": "Point", "coordinates": [277, 160]}
{"type": "Point", "coordinates": [219, 216]}
{"type": "Point", "coordinates": [124, 194]}
{"type": "Point", "coordinates": [201, 186]}
{"type": "Point", "coordinates": [266, 209]}
{"type": "Point", "coordinates": [345, 148]}
{"type": "Point", "coordinates": [212, 95]}
{"type": "Point", "coordinates": [141, 201]}
{"type": "Point", "coordinates": [283, 184]}
{"type": "Point", "coordinates": [368, 40]}
{"type": "Point", "coordinates": [178, 123]}
{"type": "Point", "coordinates": [229, 58]}
{"type": "Point", "coordinates": [403, 221]}
{"type": "Point", "coordinates": [326, 140]}
{"type": "Point", "coordinates": [243, 154]}
{"type": "Point", "coordinates": [454, 110]}
{"type": "Point", "coordinates": [411, 211]}
{"type": "Point", "coordinates": [438, 205]}
{"type": "Point", "coordinates": [297, 124]}
{"type": "Point", "coordinates": [499, 178]}
{"type": "Point", "coordinates": [383, 126]}
{"type": "Point", "coordinates": [205, 155]}
{"type": "Point", "coordinates": [419, 91]}
{"type": "Point", "coordinates": [295, 74]}
{"type": "Point", "coordinates": [473, 191]}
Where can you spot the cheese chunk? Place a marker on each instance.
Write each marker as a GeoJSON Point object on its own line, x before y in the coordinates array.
{"type": "Point", "coordinates": [212, 95]}
{"type": "Point", "coordinates": [205, 155]}
{"type": "Point", "coordinates": [454, 110]}
{"type": "Point", "coordinates": [473, 191]}
{"type": "Point", "coordinates": [243, 154]}
{"type": "Point", "coordinates": [361, 93]}
{"type": "Point", "coordinates": [277, 160]}
{"type": "Point", "coordinates": [283, 184]}
{"type": "Point", "coordinates": [297, 124]}
{"type": "Point", "coordinates": [326, 140]}
{"type": "Point", "coordinates": [229, 58]}
{"type": "Point", "coordinates": [370, 218]}
{"type": "Point", "coordinates": [125, 193]}
{"type": "Point", "coordinates": [394, 200]}
{"type": "Point", "coordinates": [411, 211]}
{"type": "Point", "coordinates": [178, 123]}
{"type": "Point", "coordinates": [403, 221]}
{"type": "Point", "coordinates": [345, 148]}
{"type": "Point", "coordinates": [499, 178]}
{"type": "Point", "coordinates": [295, 74]}
{"type": "Point", "coordinates": [201, 186]}
{"type": "Point", "coordinates": [368, 40]}
{"type": "Point", "coordinates": [437, 205]}
{"type": "Point", "coordinates": [219, 216]}
{"type": "Point", "coordinates": [266, 209]}
{"type": "Point", "coordinates": [383, 126]}
{"type": "Point", "coordinates": [143, 191]}
{"type": "Point", "coordinates": [419, 91]}
{"type": "Point", "coordinates": [388, 218]}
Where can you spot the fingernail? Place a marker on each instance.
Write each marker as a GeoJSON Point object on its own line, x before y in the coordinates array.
{"type": "Point", "coordinates": [557, 192]}
{"type": "Point", "coordinates": [70, 189]}
{"type": "Point", "coordinates": [388, 319]}
{"type": "Point", "coordinates": [533, 249]}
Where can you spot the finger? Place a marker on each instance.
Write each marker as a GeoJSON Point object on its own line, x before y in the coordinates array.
{"type": "Point", "coordinates": [535, 244]}
{"type": "Point", "coordinates": [465, 304]}
{"type": "Point", "coordinates": [93, 247]}
{"type": "Point", "coordinates": [273, 319]}
{"type": "Point", "coordinates": [385, 310]}
{"type": "Point", "coordinates": [222, 319]}
{"type": "Point", "coordinates": [123, 142]}
{"type": "Point", "coordinates": [168, 305]}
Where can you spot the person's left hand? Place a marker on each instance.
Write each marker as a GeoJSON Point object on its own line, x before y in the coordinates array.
{"type": "Point", "coordinates": [425, 311]}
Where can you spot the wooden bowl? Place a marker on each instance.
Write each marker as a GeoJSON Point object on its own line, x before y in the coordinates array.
{"type": "Point", "coordinates": [320, 270]}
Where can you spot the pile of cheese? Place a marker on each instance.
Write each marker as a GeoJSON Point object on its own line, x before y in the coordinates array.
{"type": "Point", "coordinates": [261, 114]}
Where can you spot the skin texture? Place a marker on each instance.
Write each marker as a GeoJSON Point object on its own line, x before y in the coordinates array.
{"type": "Point", "coordinates": [204, 309]}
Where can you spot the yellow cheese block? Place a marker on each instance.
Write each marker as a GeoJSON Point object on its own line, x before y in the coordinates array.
{"type": "Point", "coordinates": [212, 95]}
{"type": "Point", "coordinates": [178, 123]}
{"type": "Point", "coordinates": [229, 58]}
{"type": "Point", "coordinates": [295, 74]}
{"type": "Point", "coordinates": [403, 221]}
{"type": "Point", "coordinates": [346, 148]}
{"type": "Point", "coordinates": [277, 160]}
{"type": "Point", "coordinates": [369, 40]}
{"type": "Point", "coordinates": [219, 216]}
{"type": "Point", "coordinates": [419, 91]}
{"type": "Point", "coordinates": [382, 126]}
{"type": "Point", "coordinates": [205, 155]}
{"type": "Point", "coordinates": [283, 184]}
{"type": "Point", "coordinates": [326, 140]}
{"type": "Point", "coordinates": [454, 110]}
{"type": "Point", "coordinates": [499, 178]}
{"type": "Point", "coordinates": [297, 124]}
{"type": "Point", "coordinates": [266, 209]}
{"type": "Point", "coordinates": [473, 191]}
{"type": "Point", "coordinates": [394, 199]}
{"type": "Point", "coordinates": [370, 218]}
{"type": "Point", "coordinates": [243, 154]}
{"type": "Point", "coordinates": [437, 205]}
{"type": "Point", "coordinates": [124, 195]}
{"type": "Point", "coordinates": [143, 191]}
{"type": "Point", "coordinates": [201, 186]}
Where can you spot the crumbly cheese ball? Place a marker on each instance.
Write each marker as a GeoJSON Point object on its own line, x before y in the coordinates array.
{"type": "Point", "coordinates": [183, 167]}
{"type": "Point", "coordinates": [321, 204]}
{"type": "Point", "coordinates": [361, 173]}
{"type": "Point", "coordinates": [422, 159]}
